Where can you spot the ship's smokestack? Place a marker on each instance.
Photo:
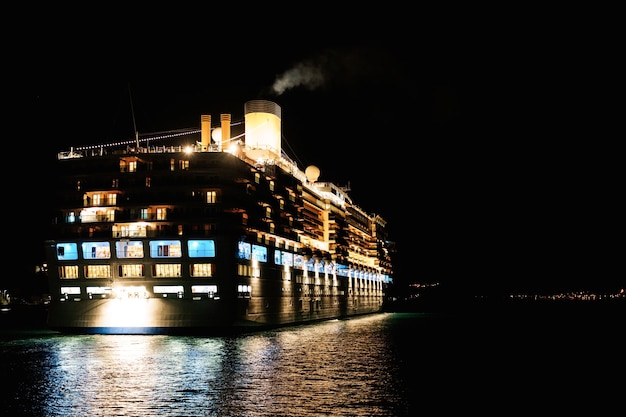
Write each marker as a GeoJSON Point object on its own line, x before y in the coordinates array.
{"type": "Point", "coordinates": [263, 129]}
{"type": "Point", "coordinates": [225, 119]}
{"type": "Point", "coordinates": [205, 136]}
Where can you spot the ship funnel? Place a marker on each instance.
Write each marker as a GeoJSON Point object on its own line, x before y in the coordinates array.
{"type": "Point", "coordinates": [225, 120]}
{"type": "Point", "coordinates": [263, 129]}
{"type": "Point", "coordinates": [205, 132]}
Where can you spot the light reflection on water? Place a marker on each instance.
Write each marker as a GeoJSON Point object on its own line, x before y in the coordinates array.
{"type": "Point", "coordinates": [345, 367]}
{"type": "Point", "coordinates": [393, 364]}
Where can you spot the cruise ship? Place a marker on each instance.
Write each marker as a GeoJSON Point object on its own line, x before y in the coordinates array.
{"type": "Point", "coordinates": [208, 229]}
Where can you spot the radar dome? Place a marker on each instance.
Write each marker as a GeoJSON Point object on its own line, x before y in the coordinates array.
{"type": "Point", "coordinates": [312, 173]}
{"type": "Point", "coordinates": [217, 134]}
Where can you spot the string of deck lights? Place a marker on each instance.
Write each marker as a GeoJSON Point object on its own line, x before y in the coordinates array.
{"type": "Point", "coordinates": [168, 135]}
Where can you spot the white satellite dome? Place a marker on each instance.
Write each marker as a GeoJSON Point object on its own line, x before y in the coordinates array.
{"type": "Point", "coordinates": [217, 135]}
{"type": "Point", "coordinates": [312, 173]}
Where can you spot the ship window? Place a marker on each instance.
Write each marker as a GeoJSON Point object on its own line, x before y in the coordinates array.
{"type": "Point", "coordinates": [244, 270]}
{"type": "Point", "coordinates": [67, 251]}
{"type": "Point", "coordinates": [201, 270]}
{"type": "Point", "coordinates": [161, 213]}
{"type": "Point", "coordinates": [259, 253]}
{"type": "Point", "coordinates": [165, 249]}
{"type": "Point", "coordinates": [70, 290]}
{"type": "Point", "coordinates": [283, 258]}
{"type": "Point", "coordinates": [99, 290]}
{"type": "Point", "coordinates": [129, 249]}
{"type": "Point", "coordinates": [97, 271]}
{"type": "Point", "coordinates": [201, 248]}
{"type": "Point", "coordinates": [68, 271]}
{"type": "Point", "coordinates": [168, 289]}
{"type": "Point", "coordinates": [244, 291]}
{"type": "Point", "coordinates": [134, 270]}
{"type": "Point", "coordinates": [204, 289]}
{"type": "Point", "coordinates": [166, 270]}
{"type": "Point", "coordinates": [96, 250]}
{"type": "Point", "coordinates": [244, 250]}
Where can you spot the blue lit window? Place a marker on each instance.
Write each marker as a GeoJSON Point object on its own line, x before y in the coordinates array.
{"type": "Point", "coordinates": [201, 248]}
{"type": "Point", "coordinates": [165, 249]}
{"type": "Point", "coordinates": [67, 251]}
{"type": "Point", "coordinates": [96, 250]}
{"type": "Point", "coordinates": [259, 253]}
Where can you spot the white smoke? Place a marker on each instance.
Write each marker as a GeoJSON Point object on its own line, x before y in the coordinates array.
{"type": "Point", "coordinates": [305, 74]}
{"type": "Point", "coordinates": [336, 66]}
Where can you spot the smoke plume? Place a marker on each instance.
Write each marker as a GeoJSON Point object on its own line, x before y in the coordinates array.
{"type": "Point", "coordinates": [335, 66]}
{"type": "Point", "coordinates": [305, 74]}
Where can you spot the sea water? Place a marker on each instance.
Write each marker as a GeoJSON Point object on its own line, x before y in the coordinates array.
{"type": "Point", "coordinates": [389, 364]}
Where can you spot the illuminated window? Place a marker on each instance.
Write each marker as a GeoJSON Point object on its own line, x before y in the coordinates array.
{"type": "Point", "coordinates": [112, 199]}
{"type": "Point", "coordinates": [244, 270]}
{"type": "Point", "coordinates": [132, 166]}
{"type": "Point", "coordinates": [165, 249]}
{"type": "Point", "coordinates": [96, 250]}
{"type": "Point", "coordinates": [201, 248]}
{"type": "Point", "coordinates": [204, 289]}
{"type": "Point", "coordinates": [97, 271]}
{"type": "Point", "coordinates": [134, 270]}
{"type": "Point", "coordinates": [67, 251]}
{"type": "Point", "coordinates": [244, 291]}
{"type": "Point", "coordinates": [148, 182]}
{"type": "Point", "coordinates": [161, 214]}
{"type": "Point", "coordinates": [129, 249]}
{"type": "Point", "coordinates": [244, 250]}
{"type": "Point", "coordinates": [201, 270]}
{"type": "Point", "coordinates": [272, 185]}
{"type": "Point", "coordinates": [166, 270]}
{"type": "Point", "coordinates": [257, 177]}
{"type": "Point", "coordinates": [143, 214]}
{"type": "Point", "coordinates": [68, 271]}
{"type": "Point", "coordinates": [211, 197]}
{"type": "Point", "coordinates": [115, 183]}
{"type": "Point", "coordinates": [183, 164]}
{"type": "Point", "coordinates": [259, 253]}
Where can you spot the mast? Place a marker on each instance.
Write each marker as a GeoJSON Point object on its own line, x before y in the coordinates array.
{"type": "Point", "coordinates": [132, 110]}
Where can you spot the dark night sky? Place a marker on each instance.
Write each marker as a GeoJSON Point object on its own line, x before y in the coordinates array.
{"type": "Point", "coordinates": [474, 145]}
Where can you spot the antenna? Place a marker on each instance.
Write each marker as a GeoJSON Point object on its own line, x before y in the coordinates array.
{"type": "Point", "coordinates": [132, 110]}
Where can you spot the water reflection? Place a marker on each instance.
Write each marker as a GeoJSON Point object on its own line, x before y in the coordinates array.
{"type": "Point", "coordinates": [333, 368]}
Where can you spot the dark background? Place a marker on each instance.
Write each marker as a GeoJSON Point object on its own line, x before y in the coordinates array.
{"type": "Point", "coordinates": [482, 142]}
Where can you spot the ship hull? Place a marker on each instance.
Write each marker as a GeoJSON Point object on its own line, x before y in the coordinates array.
{"type": "Point", "coordinates": [162, 316]}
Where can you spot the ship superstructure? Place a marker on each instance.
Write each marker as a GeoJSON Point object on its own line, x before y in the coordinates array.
{"type": "Point", "coordinates": [222, 232]}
